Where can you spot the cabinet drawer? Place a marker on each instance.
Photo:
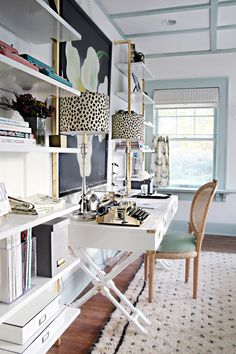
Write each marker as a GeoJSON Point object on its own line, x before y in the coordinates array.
{"type": "Point", "coordinates": [27, 321]}
{"type": "Point", "coordinates": [43, 342]}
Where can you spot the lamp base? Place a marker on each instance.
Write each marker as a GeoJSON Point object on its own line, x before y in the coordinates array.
{"type": "Point", "coordinates": [85, 216]}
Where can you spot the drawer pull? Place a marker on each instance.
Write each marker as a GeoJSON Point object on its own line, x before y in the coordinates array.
{"type": "Point", "coordinates": [43, 319]}
{"type": "Point", "coordinates": [60, 262]}
{"type": "Point", "coordinates": [45, 337]}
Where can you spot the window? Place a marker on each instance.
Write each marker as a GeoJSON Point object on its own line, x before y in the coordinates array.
{"type": "Point", "coordinates": [193, 113]}
{"type": "Point", "coordinates": [192, 144]}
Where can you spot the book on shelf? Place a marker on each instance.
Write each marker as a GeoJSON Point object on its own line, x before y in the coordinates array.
{"type": "Point", "coordinates": [15, 128]}
{"type": "Point", "coordinates": [10, 121]}
{"type": "Point", "coordinates": [10, 268]}
{"type": "Point", "coordinates": [17, 141]}
{"type": "Point", "coordinates": [26, 240]}
{"type": "Point", "coordinates": [15, 134]}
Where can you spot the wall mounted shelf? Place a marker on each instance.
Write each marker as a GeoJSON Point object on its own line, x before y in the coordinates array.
{"type": "Point", "coordinates": [34, 148]}
{"type": "Point", "coordinates": [36, 22]}
{"type": "Point", "coordinates": [136, 97]}
{"type": "Point", "coordinates": [39, 284]}
{"type": "Point", "coordinates": [139, 69]}
{"type": "Point", "coordinates": [27, 78]}
{"type": "Point", "coordinates": [13, 223]}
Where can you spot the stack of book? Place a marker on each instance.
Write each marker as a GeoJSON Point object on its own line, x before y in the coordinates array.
{"type": "Point", "coordinates": [15, 132]}
{"type": "Point", "coordinates": [121, 145]}
{"type": "Point", "coordinates": [15, 265]}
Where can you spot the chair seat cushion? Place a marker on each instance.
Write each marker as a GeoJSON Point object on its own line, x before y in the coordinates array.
{"type": "Point", "coordinates": [177, 242]}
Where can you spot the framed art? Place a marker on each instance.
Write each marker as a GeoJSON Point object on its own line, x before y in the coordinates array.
{"type": "Point", "coordinates": [87, 65]}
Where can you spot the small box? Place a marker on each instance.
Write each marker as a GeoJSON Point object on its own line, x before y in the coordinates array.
{"type": "Point", "coordinates": [26, 322]}
{"type": "Point", "coordinates": [58, 141]}
{"type": "Point", "coordinates": [52, 246]}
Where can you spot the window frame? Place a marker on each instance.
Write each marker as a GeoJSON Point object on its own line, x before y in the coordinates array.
{"type": "Point", "coordinates": [221, 123]}
{"type": "Point", "coordinates": [213, 139]}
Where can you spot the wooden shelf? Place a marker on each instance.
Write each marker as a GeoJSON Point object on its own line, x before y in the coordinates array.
{"type": "Point", "coordinates": [34, 21]}
{"type": "Point", "coordinates": [39, 284]}
{"type": "Point", "coordinates": [136, 97]}
{"type": "Point", "coordinates": [27, 78]}
{"type": "Point", "coordinates": [36, 148]}
{"type": "Point", "coordinates": [139, 69]}
{"type": "Point", "coordinates": [13, 223]}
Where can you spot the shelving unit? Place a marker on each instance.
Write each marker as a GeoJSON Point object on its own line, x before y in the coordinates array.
{"type": "Point", "coordinates": [16, 148]}
{"type": "Point", "coordinates": [136, 97]}
{"type": "Point", "coordinates": [39, 284]}
{"type": "Point", "coordinates": [139, 69]}
{"type": "Point", "coordinates": [13, 223]}
{"type": "Point", "coordinates": [28, 78]}
{"type": "Point", "coordinates": [34, 21]}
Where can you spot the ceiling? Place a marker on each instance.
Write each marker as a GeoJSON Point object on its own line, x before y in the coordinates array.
{"type": "Point", "coordinates": [202, 26]}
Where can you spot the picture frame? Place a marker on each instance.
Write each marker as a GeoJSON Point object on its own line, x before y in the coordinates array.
{"type": "Point", "coordinates": [93, 40]}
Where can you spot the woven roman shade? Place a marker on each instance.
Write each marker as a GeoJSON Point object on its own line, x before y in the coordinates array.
{"type": "Point", "coordinates": [186, 97]}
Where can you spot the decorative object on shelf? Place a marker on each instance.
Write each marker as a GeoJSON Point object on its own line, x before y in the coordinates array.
{"type": "Point", "coordinates": [128, 126]}
{"type": "Point", "coordinates": [5, 207]}
{"type": "Point", "coordinates": [32, 110]}
{"type": "Point", "coordinates": [46, 69]}
{"type": "Point", "coordinates": [79, 115]}
{"type": "Point", "coordinates": [58, 141]}
{"type": "Point", "coordinates": [12, 53]}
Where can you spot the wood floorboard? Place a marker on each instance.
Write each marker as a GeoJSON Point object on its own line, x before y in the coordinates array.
{"type": "Point", "coordinates": [84, 331]}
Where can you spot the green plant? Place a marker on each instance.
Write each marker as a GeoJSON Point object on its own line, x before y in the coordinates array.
{"type": "Point", "coordinates": [27, 106]}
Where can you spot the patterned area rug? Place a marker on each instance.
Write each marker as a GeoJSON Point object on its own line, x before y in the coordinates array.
{"type": "Point", "coordinates": [179, 323]}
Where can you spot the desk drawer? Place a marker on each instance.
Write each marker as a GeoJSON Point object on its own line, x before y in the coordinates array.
{"type": "Point", "coordinates": [31, 318]}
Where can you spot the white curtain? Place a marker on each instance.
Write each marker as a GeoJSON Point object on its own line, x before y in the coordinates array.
{"type": "Point", "coordinates": [160, 161]}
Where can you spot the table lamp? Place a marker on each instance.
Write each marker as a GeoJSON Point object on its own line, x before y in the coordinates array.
{"type": "Point", "coordinates": [84, 114]}
{"type": "Point", "coordinates": [128, 126]}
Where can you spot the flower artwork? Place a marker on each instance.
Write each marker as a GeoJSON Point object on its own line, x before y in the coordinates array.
{"type": "Point", "coordinates": [27, 106]}
{"type": "Point", "coordinates": [85, 77]}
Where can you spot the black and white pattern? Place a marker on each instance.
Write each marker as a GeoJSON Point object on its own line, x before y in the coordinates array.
{"type": "Point", "coordinates": [127, 126]}
{"type": "Point", "coordinates": [87, 112]}
{"type": "Point", "coordinates": [179, 323]}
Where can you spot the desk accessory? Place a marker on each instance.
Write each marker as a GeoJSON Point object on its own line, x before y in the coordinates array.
{"type": "Point", "coordinates": [122, 213]}
{"type": "Point", "coordinates": [12, 53]}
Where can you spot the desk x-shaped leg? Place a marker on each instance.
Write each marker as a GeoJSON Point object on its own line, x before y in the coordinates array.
{"type": "Point", "coordinates": [103, 283]}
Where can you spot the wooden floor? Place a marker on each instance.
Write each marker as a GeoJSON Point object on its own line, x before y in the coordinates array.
{"type": "Point", "coordinates": [84, 331]}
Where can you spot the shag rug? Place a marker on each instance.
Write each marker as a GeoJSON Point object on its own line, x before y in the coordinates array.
{"type": "Point", "coordinates": [179, 324]}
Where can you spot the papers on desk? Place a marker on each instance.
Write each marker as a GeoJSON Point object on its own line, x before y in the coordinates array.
{"type": "Point", "coordinates": [147, 204]}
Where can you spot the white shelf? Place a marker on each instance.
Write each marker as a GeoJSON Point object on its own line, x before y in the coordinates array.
{"type": "Point", "coordinates": [52, 331]}
{"type": "Point", "coordinates": [34, 21]}
{"type": "Point", "coordinates": [139, 69]}
{"type": "Point", "coordinates": [34, 148]}
{"type": "Point", "coordinates": [136, 97]}
{"type": "Point", "coordinates": [28, 78]}
{"type": "Point", "coordinates": [39, 284]}
{"type": "Point", "coordinates": [13, 223]}
{"type": "Point", "coordinates": [149, 124]}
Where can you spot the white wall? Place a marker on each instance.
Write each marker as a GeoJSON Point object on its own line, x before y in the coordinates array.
{"type": "Point", "coordinates": [206, 66]}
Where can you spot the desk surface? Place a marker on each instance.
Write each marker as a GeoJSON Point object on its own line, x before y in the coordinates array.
{"type": "Point", "coordinates": [137, 239]}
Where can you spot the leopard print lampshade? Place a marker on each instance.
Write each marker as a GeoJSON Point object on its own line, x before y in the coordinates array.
{"type": "Point", "coordinates": [88, 112]}
{"type": "Point", "coordinates": [127, 126]}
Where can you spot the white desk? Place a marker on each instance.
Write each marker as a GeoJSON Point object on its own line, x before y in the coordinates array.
{"type": "Point", "coordinates": [145, 238]}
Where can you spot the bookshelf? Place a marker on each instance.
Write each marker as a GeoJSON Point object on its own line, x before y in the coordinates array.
{"type": "Point", "coordinates": [33, 21]}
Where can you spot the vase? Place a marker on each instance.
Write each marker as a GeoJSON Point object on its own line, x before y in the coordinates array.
{"type": "Point", "coordinates": [38, 127]}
